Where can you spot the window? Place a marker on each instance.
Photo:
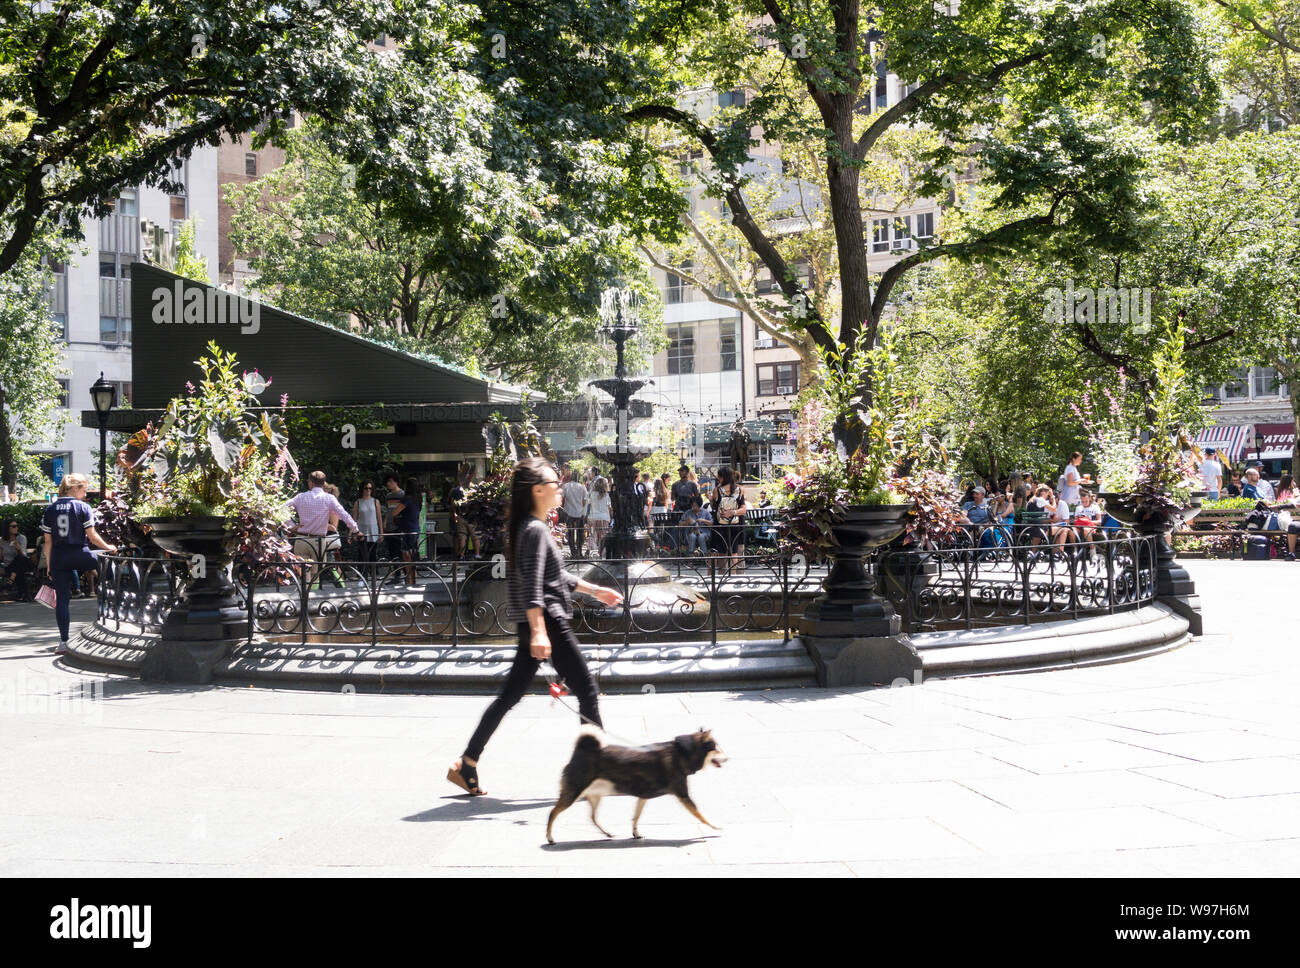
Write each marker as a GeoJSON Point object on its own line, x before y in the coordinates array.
{"type": "Point", "coordinates": [1235, 388]}
{"type": "Point", "coordinates": [1266, 382]}
{"type": "Point", "coordinates": [108, 268]}
{"type": "Point", "coordinates": [108, 333]}
{"type": "Point", "coordinates": [925, 225]}
{"type": "Point", "coordinates": [727, 330]}
{"type": "Point", "coordinates": [250, 165]}
{"type": "Point", "coordinates": [126, 202]}
{"type": "Point", "coordinates": [63, 394]}
{"type": "Point", "coordinates": [60, 325]}
{"type": "Point", "coordinates": [903, 232]}
{"type": "Point", "coordinates": [732, 99]}
{"type": "Point", "coordinates": [778, 379]}
{"type": "Point", "coordinates": [381, 40]}
{"type": "Point", "coordinates": [179, 207]}
{"type": "Point", "coordinates": [677, 286]}
{"type": "Point", "coordinates": [880, 235]}
{"type": "Point", "coordinates": [681, 348]}
{"type": "Point", "coordinates": [123, 393]}
{"type": "Point", "coordinates": [763, 281]}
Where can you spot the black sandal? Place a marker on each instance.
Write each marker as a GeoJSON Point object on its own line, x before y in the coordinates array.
{"type": "Point", "coordinates": [466, 777]}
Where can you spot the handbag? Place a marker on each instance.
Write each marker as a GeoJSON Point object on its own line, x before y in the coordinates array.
{"type": "Point", "coordinates": [47, 596]}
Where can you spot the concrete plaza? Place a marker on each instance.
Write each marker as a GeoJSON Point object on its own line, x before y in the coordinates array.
{"type": "Point", "coordinates": [1184, 764]}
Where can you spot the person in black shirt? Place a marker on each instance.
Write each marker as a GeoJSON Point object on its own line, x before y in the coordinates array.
{"type": "Point", "coordinates": [538, 601]}
{"type": "Point", "coordinates": [685, 490]}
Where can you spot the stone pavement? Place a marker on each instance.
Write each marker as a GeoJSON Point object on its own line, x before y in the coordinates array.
{"type": "Point", "coordinates": [1186, 764]}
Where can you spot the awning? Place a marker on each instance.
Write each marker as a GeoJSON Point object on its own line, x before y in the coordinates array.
{"type": "Point", "coordinates": [1278, 441]}
{"type": "Point", "coordinates": [1228, 440]}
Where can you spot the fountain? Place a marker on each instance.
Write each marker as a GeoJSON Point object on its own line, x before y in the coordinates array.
{"type": "Point", "coordinates": [628, 542]}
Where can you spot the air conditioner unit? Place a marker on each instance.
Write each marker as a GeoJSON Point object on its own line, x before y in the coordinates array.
{"type": "Point", "coordinates": [784, 390]}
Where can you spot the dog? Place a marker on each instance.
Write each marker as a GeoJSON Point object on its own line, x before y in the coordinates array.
{"type": "Point", "coordinates": [598, 769]}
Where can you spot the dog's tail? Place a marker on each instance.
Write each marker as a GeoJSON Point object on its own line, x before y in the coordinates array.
{"type": "Point", "coordinates": [590, 738]}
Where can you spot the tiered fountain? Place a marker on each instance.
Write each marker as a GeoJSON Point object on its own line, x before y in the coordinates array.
{"type": "Point", "coordinates": [628, 541]}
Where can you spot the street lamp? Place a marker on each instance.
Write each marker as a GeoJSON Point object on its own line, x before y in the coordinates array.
{"type": "Point", "coordinates": [103, 396]}
{"type": "Point", "coordinates": [1259, 446]}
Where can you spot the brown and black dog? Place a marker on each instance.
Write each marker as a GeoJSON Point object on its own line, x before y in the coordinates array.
{"type": "Point", "coordinates": [598, 769]}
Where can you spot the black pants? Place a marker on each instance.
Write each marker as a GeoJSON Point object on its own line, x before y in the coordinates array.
{"type": "Point", "coordinates": [576, 532]}
{"type": "Point", "coordinates": [568, 663]}
{"type": "Point", "coordinates": [19, 569]}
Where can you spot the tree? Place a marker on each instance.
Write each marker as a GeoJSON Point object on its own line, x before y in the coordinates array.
{"type": "Point", "coordinates": [97, 95]}
{"type": "Point", "coordinates": [30, 366]}
{"type": "Point", "coordinates": [330, 250]}
{"type": "Point", "coordinates": [1217, 256]}
{"type": "Point", "coordinates": [1026, 93]}
{"type": "Point", "coordinates": [188, 262]}
{"type": "Point", "coordinates": [1260, 55]}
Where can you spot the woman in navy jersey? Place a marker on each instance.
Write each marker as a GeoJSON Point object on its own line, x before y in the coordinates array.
{"type": "Point", "coordinates": [69, 526]}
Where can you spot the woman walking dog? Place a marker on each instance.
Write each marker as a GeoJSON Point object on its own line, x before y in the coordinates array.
{"type": "Point", "coordinates": [539, 590]}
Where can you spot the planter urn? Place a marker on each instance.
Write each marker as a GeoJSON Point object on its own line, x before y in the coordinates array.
{"type": "Point", "coordinates": [207, 619]}
{"type": "Point", "coordinates": [851, 634]}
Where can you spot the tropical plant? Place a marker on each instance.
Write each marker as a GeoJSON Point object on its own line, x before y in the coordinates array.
{"type": "Point", "coordinates": [214, 455]}
{"type": "Point", "coordinates": [857, 442]}
{"type": "Point", "coordinates": [935, 513]}
{"type": "Point", "coordinates": [1111, 437]}
{"type": "Point", "coordinates": [1168, 476]}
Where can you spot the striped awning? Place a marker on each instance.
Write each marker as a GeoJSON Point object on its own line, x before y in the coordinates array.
{"type": "Point", "coordinates": [1228, 440]}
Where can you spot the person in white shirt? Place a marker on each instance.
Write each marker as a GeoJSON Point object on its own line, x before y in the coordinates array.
{"type": "Point", "coordinates": [1264, 488]}
{"type": "Point", "coordinates": [573, 497]}
{"type": "Point", "coordinates": [1212, 473]}
{"type": "Point", "coordinates": [1068, 484]}
{"type": "Point", "coordinates": [312, 540]}
{"type": "Point", "coordinates": [598, 514]}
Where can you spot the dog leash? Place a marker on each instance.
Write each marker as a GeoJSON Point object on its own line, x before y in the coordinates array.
{"type": "Point", "coordinates": [558, 691]}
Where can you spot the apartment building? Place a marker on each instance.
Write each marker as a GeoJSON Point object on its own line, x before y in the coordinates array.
{"type": "Point", "coordinates": [91, 297]}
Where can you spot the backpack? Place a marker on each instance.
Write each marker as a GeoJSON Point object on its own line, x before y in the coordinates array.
{"type": "Point", "coordinates": [729, 503]}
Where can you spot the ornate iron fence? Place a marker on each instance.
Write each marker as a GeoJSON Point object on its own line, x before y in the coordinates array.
{"type": "Point", "coordinates": [138, 591]}
{"type": "Point", "coordinates": [989, 583]}
{"type": "Point", "coordinates": [978, 582]}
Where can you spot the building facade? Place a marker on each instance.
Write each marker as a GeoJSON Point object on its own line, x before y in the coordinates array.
{"type": "Point", "coordinates": [91, 297]}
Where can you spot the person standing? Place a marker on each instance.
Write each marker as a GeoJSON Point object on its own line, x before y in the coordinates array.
{"type": "Point", "coordinates": [407, 520]}
{"type": "Point", "coordinates": [1212, 473]}
{"type": "Point", "coordinates": [642, 489]}
{"type": "Point", "coordinates": [314, 507]}
{"type": "Point", "coordinates": [460, 524]}
{"type": "Point", "coordinates": [14, 560]}
{"type": "Point", "coordinates": [370, 517]}
{"type": "Point", "coordinates": [574, 498]}
{"type": "Point", "coordinates": [729, 517]}
{"type": "Point", "coordinates": [685, 490]}
{"type": "Point", "coordinates": [538, 602]}
{"type": "Point", "coordinates": [69, 527]}
{"type": "Point", "coordinates": [598, 514]}
{"type": "Point", "coordinates": [1068, 485]}
{"type": "Point", "coordinates": [393, 495]}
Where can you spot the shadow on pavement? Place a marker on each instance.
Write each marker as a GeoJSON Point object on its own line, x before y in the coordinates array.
{"type": "Point", "coordinates": [465, 807]}
{"type": "Point", "coordinates": [624, 843]}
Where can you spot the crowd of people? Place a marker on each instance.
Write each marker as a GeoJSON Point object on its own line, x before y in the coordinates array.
{"type": "Point", "coordinates": [694, 515]}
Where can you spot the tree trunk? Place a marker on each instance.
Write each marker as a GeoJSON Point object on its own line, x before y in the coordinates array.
{"type": "Point", "coordinates": [855, 281]}
{"type": "Point", "coordinates": [8, 470]}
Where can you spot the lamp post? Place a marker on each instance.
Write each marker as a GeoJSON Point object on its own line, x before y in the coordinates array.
{"type": "Point", "coordinates": [1259, 446]}
{"type": "Point", "coordinates": [103, 396]}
